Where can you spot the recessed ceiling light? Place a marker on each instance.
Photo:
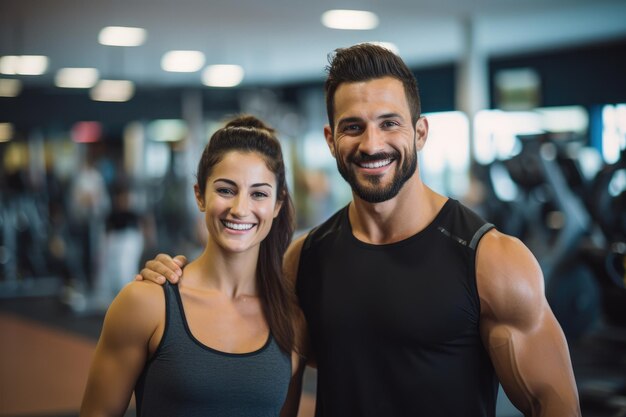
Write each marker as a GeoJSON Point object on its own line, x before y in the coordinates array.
{"type": "Point", "coordinates": [349, 19]}
{"type": "Point", "coordinates": [122, 36]}
{"type": "Point", "coordinates": [222, 75]}
{"type": "Point", "coordinates": [182, 61]}
{"type": "Point", "coordinates": [112, 90]}
{"type": "Point", "coordinates": [23, 64]}
{"type": "Point", "coordinates": [76, 77]}
{"type": "Point", "coordinates": [10, 88]}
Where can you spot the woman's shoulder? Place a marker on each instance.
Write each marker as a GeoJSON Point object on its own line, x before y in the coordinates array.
{"type": "Point", "coordinates": [144, 293]}
{"type": "Point", "coordinates": [140, 304]}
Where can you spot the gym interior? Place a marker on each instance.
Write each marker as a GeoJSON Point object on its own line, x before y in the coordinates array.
{"type": "Point", "coordinates": [526, 105]}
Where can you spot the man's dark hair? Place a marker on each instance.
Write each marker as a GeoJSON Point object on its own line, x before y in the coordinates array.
{"type": "Point", "coordinates": [364, 62]}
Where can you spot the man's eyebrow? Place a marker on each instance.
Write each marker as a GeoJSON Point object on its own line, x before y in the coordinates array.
{"type": "Point", "coordinates": [390, 116]}
{"type": "Point", "coordinates": [349, 120]}
{"type": "Point", "coordinates": [380, 117]}
{"type": "Point", "coordinates": [234, 184]}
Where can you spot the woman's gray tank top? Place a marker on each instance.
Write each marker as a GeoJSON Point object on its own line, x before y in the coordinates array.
{"type": "Point", "coordinates": [186, 378]}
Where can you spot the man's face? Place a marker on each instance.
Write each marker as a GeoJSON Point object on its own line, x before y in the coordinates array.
{"type": "Point", "coordinates": [374, 141]}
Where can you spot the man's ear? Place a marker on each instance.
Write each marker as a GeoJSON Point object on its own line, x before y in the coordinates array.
{"type": "Point", "coordinates": [421, 133]}
{"type": "Point", "coordinates": [199, 197]}
{"type": "Point", "coordinates": [330, 140]}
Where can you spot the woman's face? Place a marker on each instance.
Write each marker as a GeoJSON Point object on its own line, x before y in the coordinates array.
{"type": "Point", "coordinates": [240, 201]}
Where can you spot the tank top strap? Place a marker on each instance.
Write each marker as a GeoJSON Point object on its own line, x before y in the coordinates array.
{"type": "Point", "coordinates": [174, 317]}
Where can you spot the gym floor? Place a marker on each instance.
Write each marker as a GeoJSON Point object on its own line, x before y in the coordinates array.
{"type": "Point", "coordinates": [45, 352]}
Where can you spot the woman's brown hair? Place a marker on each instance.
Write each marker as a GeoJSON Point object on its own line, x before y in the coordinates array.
{"type": "Point", "coordinates": [248, 134]}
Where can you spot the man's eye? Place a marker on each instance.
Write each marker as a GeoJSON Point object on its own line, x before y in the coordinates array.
{"type": "Point", "coordinates": [352, 128]}
{"type": "Point", "coordinates": [389, 123]}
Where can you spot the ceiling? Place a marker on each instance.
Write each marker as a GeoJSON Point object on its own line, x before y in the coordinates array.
{"type": "Point", "coordinates": [283, 41]}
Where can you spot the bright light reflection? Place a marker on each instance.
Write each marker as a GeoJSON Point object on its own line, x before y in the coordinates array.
{"type": "Point", "coordinates": [23, 64]}
{"type": "Point", "coordinates": [76, 77]}
{"type": "Point", "coordinates": [182, 61]}
{"type": "Point", "coordinates": [613, 132]}
{"type": "Point", "coordinates": [222, 75]}
{"type": "Point", "coordinates": [112, 90]}
{"type": "Point", "coordinates": [122, 36]}
{"type": "Point", "coordinates": [349, 19]}
{"type": "Point", "coordinates": [564, 119]}
{"type": "Point", "coordinates": [496, 131]}
{"type": "Point", "coordinates": [446, 156]}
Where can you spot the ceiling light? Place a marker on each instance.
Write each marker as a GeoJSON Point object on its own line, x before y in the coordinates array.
{"type": "Point", "coordinates": [10, 88]}
{"type": "Point", "coordinates": [23, 64]}
{"type": "Point", "coordinates": [349, 19]}
{"type": "Point", "coordinates": [222, 75]}
{"type": "Point", "coordinates": [112, 90]}
{"type": "Point", "coordinates": [76, 77]}
{"type": "Point", "coordinates": [182, 61]}
{"type": "Point", "coordinates": [122, 36]}
{"type": "Point", "coordinates": [6, 132]}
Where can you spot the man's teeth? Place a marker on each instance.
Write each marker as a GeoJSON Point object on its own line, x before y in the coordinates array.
{"type": "Point", "coordinates": [238, 226]}
{"type": "Point", "coordinates": [376, 164]}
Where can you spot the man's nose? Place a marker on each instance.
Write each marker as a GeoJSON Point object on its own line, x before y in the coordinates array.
{"type": "Point", "coordinates": [371, 141]}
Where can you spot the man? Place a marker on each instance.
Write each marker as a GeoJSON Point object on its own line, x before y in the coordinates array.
{"type": "Point", "coordinates": [415, 306]}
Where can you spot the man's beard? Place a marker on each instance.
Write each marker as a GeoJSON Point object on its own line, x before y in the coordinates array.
{"type": "Point", "coordinates": [374, 192]}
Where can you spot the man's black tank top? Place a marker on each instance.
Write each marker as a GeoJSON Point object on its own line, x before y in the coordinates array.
{"type": "Point", "coordinates": [395, 328]}
{"type": "Point", "coordinates": [186, 378]}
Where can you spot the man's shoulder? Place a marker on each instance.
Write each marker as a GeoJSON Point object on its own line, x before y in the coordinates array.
{"type": "Point", "coordinates": [462, 221]}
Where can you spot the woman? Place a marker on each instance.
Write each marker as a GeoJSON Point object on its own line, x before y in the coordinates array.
{"type": "Point", "coordinates": [223, 341]}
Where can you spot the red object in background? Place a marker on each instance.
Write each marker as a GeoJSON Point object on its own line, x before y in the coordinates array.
{"type": "Point", "coordinates": [86, 132]}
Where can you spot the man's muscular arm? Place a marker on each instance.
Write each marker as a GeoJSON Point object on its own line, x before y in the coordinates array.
{"type": "Point", "coordinates": [525, 342]}
{"type": "Point", "coordinates": [162, 267]}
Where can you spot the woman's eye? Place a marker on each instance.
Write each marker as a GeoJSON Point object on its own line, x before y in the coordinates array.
{"type": "Point", "coordinates": [259, 194]}
{"type": "Point", "coordinates": [225, 191]}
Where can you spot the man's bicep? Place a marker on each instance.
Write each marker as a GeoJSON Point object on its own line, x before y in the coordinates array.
{"type": "Point", "coordinates": [534, 367]}
{"type": "Point", "coordinates": [524, 340]}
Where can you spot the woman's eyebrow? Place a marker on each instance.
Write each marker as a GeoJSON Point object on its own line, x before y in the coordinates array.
{"type": "Point", "coordinates": [233, 183]}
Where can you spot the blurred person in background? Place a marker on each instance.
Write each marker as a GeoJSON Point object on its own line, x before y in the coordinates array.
{"type": "Point", "coordinates": [224, 340]}
{"type": "Point", "coordinates": [89, 204]}
{"type": "Point", "coordinates": [127, 228]}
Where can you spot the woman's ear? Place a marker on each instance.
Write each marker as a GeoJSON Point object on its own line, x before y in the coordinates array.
{"type": "Point", "coordinates": [278, 206]}
{"type": "Point", "coordinates": [199, 197]}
